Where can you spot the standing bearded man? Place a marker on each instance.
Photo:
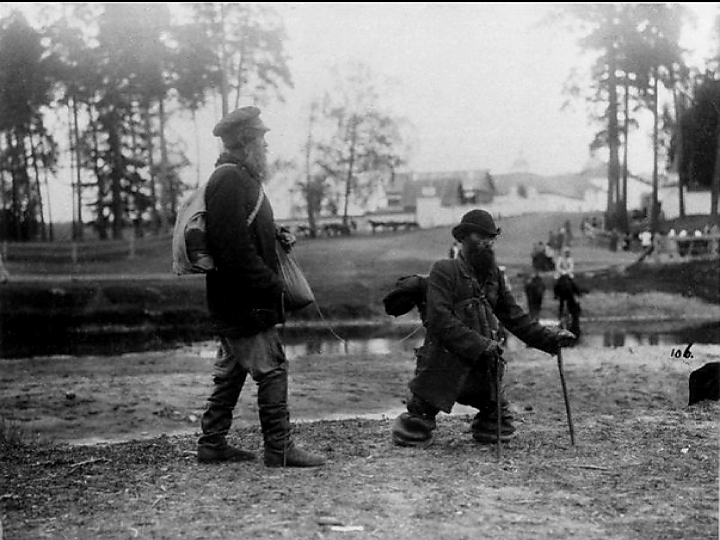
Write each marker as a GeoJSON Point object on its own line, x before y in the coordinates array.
{"type": "Point", "coordinates": [466, 302]}
{"type": "Point", "coordinates": [244, 296]}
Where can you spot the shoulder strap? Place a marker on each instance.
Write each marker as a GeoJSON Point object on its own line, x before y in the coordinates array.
{"type": "Point", "coordinates": [258, 204]}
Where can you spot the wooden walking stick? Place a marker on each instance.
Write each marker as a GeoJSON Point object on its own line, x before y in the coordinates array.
{"type": "Point", "coordinates": [565, 395]}
{"type": "Point", "coordinates": [499, 405]}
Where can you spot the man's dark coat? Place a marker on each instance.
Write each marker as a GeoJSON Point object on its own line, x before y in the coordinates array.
{"type": "Point", "coordinates": [244, 292]}
{"type": "Point", "coordinates": [462, 317]}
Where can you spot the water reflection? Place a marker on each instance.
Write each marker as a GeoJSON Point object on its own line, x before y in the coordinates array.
{"type": "Point", "coordinates": [298, 346]}
{"type": "Point", "coordinates": [359, 339]}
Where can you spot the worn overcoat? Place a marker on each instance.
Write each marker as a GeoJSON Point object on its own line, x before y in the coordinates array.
{"type": "Point", "coordinates": [244, 291]}
{"type": "Point", "coordinates": [462, 317]}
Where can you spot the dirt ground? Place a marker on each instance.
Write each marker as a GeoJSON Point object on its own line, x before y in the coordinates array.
{"type": "Point", "coordinates": [644, 465]}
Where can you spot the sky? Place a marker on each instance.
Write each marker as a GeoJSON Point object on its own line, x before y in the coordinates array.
{"type": "Point", "coordinates": [480, 82]}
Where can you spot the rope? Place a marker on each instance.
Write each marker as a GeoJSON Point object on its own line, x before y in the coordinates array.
{"type": "Point", "coordinates": [329, 326]}
{"type": "Point", "coordinates": [411, 334]}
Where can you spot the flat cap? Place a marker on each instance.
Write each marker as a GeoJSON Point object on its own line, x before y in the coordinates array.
{"type": "Point", "coordinates": [245, 120]}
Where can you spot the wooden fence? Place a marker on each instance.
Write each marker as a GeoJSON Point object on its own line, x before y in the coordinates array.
{"type": "Point", "coordinates": [667, 248]}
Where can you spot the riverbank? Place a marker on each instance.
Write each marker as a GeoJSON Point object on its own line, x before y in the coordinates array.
{"type": "Point", "coordinates": [644, 465]}
{"type": "Point", "coordinates": [49, 316]}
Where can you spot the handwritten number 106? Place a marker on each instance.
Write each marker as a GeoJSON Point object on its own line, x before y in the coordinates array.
{"type": "Point", "coordinates": [678, 353]}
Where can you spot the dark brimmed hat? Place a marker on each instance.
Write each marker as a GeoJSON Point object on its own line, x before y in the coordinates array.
{"type": "Point", "coordinates": [479, 221]}
{"type": "Point", "coordinates": [244, 121]}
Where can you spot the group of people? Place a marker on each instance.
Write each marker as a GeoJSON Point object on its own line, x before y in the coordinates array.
{"type": "Point", "coordinates": [565, 289]}
{"type": "Point", "coordinates": [467, 300]}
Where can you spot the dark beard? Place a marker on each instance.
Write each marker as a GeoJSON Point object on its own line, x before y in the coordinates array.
{"type": "Point", "coordinates": [481, 259]}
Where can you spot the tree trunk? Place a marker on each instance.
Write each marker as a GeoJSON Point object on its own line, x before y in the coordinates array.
{"type": "Point", "coordinates": [100, 219]}
{"type": "Point", "coordinates": [51, 230]}
{"type": "Point", "coordinates": [223, 62]}
{"type": "Point", "coordinates": [310, 191]}
{"type": "Point", "coordinates": [38, 189]}
{"type": "Point", "coordinates": [72, 173]}
{"type": "Point", "coordinates": [78, 179]}
{"type": "Point", "coordinates": [715, 188]}
{"type": "Point", "coordinates": [613, 141]}
{"type": "Point", "coordinates": [680, 152]}
{"type": "Point", "coordinates": [116, 175]}
{"type": "Point", "coordinates": [654, 203]}
{"type": "Point", "coordinates": [166, 180]}
{"type": "Point", "coordinates": [623, 207]}
{"type": "Point", "coordinates": [16, 232]}
{"type": "Point", "coordinates": [198, 161]}
{"type": "Point", "coordinates": [348, 182]}
{"type": "Point", "coordinates": [154, 212]}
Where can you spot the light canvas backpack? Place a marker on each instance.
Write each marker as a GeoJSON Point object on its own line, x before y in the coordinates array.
{"type": "Point", "coordinates": [189, 245]}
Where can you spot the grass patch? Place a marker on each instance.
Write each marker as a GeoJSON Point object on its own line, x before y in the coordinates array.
{"type": "Point", "coordinates": [12, 434]}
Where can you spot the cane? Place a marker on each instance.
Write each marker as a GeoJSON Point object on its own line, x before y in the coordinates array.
{"type": "Point", "coordinates": [565, 395]}
{"type": "Point", "coordinates": [499, 405]}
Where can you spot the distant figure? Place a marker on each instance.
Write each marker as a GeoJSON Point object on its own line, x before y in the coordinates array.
{"type": "Point", "coordinates": [646, 239]}
{"type": "Point", "coordinates": [627, 241]}
{"type": "Point", "coordinates": [646, 242]}
{"type": "Point", "coordinates": [454, 250]}
{"type": "Point", "coordinates": [565, 265]}
{"type": "Point", "coordinates": [704, 383]}
{"type": "Point", "coordinates": [567, 292]}
{"type": "Point", "coordinates": [659, 246]}
{"type": "Point", "coordinates": [560, 239]}
{"type": "Point", "coordinates": [671, 244]}
{"type": "Point", "coordinates": [614, 239]}
{"type": "Point", "coordinates": [534, 292]}
{"type": "Point", "coordinates": [568, 233]}
{"type": "Point", "coordinates": [540, 261]}
{"type": "Point", "coordinates": [550, 253]}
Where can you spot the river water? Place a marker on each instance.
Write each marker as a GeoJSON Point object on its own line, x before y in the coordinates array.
{"type": "Point", "coordinates": [365, 338]}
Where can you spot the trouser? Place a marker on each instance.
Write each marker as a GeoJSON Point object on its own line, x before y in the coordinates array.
{"type": "Point", "coordinates": [262, 357]}
{"type": "Point", "coordinates": [480, 391]}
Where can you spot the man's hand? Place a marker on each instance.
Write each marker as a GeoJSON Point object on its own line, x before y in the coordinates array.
{"type": "Point", "coordinates": [563, 338]}
{"type": "Point", "coordinates": [286, 238]}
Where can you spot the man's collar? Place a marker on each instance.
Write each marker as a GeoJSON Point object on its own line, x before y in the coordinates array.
{"type": "Point", "coordinates": [229, 157]}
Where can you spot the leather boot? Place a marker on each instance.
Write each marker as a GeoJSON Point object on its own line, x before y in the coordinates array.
{"type": "Point", "coordinates": [216, 422]}
{"type": "Point", "coordinates": [484, 425]}
{"type": "Point", "coordinates": [416, 426]}
{"type": "Point", "coordinates": [280, 451]}
{"type": "Point", "coordinates": [209, 453]}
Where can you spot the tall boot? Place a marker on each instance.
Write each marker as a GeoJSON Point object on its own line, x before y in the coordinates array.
{"type": "Point", "coordinates": [280, 451]}
{"type": "Point", "coordinates": [484, 425]}
{"type": "Point", "coordinates": [481, 391]}
{"type": "Point", "coordinates": [216, 422]}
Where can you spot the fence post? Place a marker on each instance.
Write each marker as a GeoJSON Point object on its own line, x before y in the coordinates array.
{"type": "Point", "coordinates": [74, 253]}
